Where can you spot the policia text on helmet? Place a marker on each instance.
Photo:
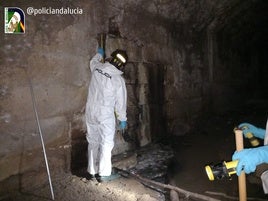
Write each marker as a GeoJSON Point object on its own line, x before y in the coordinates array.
{"type": "Point", "coordinates": [119, 58]}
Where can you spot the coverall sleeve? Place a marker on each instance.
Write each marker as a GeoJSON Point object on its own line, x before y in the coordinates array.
{"type": "Point", "coordinates": [264, 176]}
{"type": "Point", "coordinates": [95, 61]}
{"type": "Point", "coordinates": [121, 102]}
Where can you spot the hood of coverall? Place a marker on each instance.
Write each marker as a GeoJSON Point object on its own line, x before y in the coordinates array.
{"type": "Point", "coordinates": [111, 69]}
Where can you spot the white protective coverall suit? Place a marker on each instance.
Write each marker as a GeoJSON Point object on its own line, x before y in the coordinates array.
{"type": "Point", "coordinates": [107, 96]}
{"type": "Point", "coordinates": [264, 176]}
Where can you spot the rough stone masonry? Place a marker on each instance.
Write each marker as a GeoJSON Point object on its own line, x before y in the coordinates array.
{"type": "Point", "coordinates": [176, 72]}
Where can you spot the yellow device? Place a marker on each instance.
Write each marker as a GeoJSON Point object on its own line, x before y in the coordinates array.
{"type": "Point", "coordinates": [221, 170]}
{"type": "Point", "coordinates": [253, 140]}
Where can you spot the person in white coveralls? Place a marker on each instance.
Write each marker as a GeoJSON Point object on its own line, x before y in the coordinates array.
{"type": "Point", "coordinates": [106, 103]}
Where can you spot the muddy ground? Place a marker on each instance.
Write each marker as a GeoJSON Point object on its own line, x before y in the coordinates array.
{"type": "Point", "coordinates": [211, 141]}
{"type": "Point", "coordinates": [214, 141]}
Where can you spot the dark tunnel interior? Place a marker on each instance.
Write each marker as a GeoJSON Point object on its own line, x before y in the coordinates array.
{"type": "Point", "coordinates": [242, 46]}
{"type": "Point", "coordinates": [197, 69]}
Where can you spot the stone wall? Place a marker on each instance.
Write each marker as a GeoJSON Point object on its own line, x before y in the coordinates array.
{"type": "Point", "coordinates": [168, 77]}
{"type": "Point", "coordinates": [54, 54]}
{"type": "Point", "coordinates": [163, 79]}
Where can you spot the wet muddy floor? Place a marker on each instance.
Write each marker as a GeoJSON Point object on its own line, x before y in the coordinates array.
{"type": "Point", "coordinates": [213, 141]}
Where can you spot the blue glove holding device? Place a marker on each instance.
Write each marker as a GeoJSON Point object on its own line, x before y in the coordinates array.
{"type": "Point", "coordinates": [249, 128]}
{"type": "Point", "coordinates": [101, 51]}
{"type": "Point", "coordinates": [248, 159]}
{"type": "Point", "coordinates": [122, 125]}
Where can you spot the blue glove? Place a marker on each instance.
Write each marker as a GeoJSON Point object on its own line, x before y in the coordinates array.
{"type": "Point", "coordinates": [101, 51]}
{"type": "Point", "coordinates": [122, 125]}
{"type": "Point", "coordinates": [249, 128]}
{"type": "Point", "coordinates": [248, 159]}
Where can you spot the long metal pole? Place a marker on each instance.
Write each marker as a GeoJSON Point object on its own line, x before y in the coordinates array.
{"type": "Point", "coordinates": [41, 135]}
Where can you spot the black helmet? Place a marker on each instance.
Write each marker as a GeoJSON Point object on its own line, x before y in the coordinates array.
{"type": "Point", "coordinates": [119, 58]}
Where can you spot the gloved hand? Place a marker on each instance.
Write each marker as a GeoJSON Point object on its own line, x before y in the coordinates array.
{"type": "Point", "coordinates": [249, 128]}
{"type": "Point", "coordinates": [248, 159]}
{"type": "Point", "coordinates": [101, 51]}
{"type": "Point", "coordinates": [122, 125]}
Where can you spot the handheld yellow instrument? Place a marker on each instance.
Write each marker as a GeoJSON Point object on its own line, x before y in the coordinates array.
{"type": "Point", "coordinates": [221, 170]}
